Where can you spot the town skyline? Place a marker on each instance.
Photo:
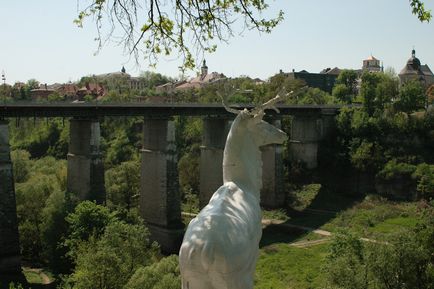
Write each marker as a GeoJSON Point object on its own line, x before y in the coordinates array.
{"type": "Point", "coordinates": [314, 36]}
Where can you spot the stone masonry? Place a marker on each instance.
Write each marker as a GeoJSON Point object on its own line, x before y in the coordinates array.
{"type": "Point", "coordinates": [159, 190]}
{"type": "Point", "coordinates": [10, 260]}
{"type": "Point", "coordinates": [85, 178]}
{"type": "Point", "coordinates": [272, 193]}
{"type": "Point", "coordinates": [215, 131]}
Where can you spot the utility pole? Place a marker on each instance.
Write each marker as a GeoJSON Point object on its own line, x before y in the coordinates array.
{"type": "Point", "coordinates": [4, 85]}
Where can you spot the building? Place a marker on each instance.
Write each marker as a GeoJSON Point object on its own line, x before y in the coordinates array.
{"type": "Point", "coordinates": [120, 80]}
{"type": "Point", "coordinates": [42, 92]}
{"type": "Point", "coordinates": [201, 80]}
{"type": "Point", "coordinates": [414, 70]}
{"type": "Point", "coordinates": [95, 90]}
{"type": "Point", "coordinates": [325, 80]}
{"type": "Point", "coordinates": [372, 64]}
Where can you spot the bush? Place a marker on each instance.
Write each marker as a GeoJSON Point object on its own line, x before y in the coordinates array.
{"type": "Point", "coordinates": [110, 260]}
{"type": "Point", "coordinates": [404, 261]}
{"type": "Point", "coordinates": [21, 165]}
{"type": "Point", "coordinates": [393, 170]}
{"type": "Point", "coordinates": [424, 174]}
{"type": "Point", "coordinates": [162, 275]}
{"type": "Point", "coordinates": [88, 220]}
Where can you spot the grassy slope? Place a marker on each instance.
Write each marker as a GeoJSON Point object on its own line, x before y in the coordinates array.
{"type": "Point", "coordinates": [281, 266]}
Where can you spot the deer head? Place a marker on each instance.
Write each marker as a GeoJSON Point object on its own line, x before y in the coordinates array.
{"type": "Point", "coordinates": [242, 162]}
{"type": "Point", "coordinates": [260, 131]}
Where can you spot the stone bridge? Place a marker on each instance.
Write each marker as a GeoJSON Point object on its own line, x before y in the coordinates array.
{"type": "Point", "coordinates": [159, 194]}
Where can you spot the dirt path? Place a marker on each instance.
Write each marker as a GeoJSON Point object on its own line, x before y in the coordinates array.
{"type": "Point", "coordinates": [305, 244]}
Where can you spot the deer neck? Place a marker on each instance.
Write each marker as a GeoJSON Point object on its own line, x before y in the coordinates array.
{"type": "Point", "coordinates": [242, 162]}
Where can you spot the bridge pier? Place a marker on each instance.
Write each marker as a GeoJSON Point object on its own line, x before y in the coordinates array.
{"type": "Point", "coordinates": [272, 193]}
{"type": "Point", "coordinates": [160, 202]}
{"type": "Point", "coordinates": [85, 179]}
{"type": "Point", "coordinates": [305, 135]}
{"type": "Point", "coordinates": [215, 131]}
{"type": "Point", "coordinates": [10, 259]}
{"type": "Point", "coordinates": [307, 131]}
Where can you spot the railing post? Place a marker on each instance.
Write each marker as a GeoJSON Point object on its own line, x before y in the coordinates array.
{"type": "Point", "coordinates": [160, 202]}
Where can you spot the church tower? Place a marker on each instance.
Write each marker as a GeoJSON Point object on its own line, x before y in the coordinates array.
{"type": "Point", "coordinates": [203, 70]}
{"type": "Point", "coordinates": [372, 64]}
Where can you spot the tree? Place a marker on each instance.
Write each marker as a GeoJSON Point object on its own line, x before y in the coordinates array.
{"type": "Point", "coordinates": [183, 26]}
{"type": "Point", "coordinates": [411, 97]}
{"type": "Point", "coordinates": [123, 185]}
{"type": "Point", "coordinates": [87, 221]}
{"type": "Point", "coordinates": [430, 94]}
{"type": "Point", "coordinates": [377, 91]}
{"type": "Point", "coordinates": [21, 164]}
{"type": "Point", "coordinates": [404, 261]}
{"type": "Point", "coordinates": [345, 88]}
{"type": "Point", "coordinates": [161, 275]}
{"type": "Point", "coordinates": [109, 260]}
{"type": "Point", "coordinates": [176, 26]}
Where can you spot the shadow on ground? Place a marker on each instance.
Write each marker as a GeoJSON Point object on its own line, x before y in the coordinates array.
{"type": "Point", "coordinates": [324, 207]}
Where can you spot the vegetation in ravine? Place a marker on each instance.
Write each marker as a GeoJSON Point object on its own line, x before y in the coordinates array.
{"type": "Point", "coordinates": [386, 139]}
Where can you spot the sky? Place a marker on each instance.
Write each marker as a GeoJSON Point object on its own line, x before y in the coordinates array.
{"type": "Point", "coordinates": [39, 40]}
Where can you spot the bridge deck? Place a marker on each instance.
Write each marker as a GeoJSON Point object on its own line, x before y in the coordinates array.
{"type": "Point", "coordinates": [142, 109]}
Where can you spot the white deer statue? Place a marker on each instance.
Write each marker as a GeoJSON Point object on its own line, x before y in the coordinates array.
{"type": "Point", "coordinates": [221, 244]}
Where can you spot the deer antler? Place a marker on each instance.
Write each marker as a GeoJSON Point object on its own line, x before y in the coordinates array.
{"type": "Point", "coordinates": [271, 104]}
{"type": "Point", "coordinates": [226, 105]}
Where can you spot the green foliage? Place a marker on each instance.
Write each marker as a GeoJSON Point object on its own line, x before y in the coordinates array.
{"type": "Point", "coordinates": [411, 97]}
{"type": "Point", "coordinates": [418, 9]}
{"type": "Point", "coordinates": [404, 261]}
{"type": "Point", "coordinates": [165, 34]}
{"type": "Point", "coordinates": [302, 197]}
{"type": "Point", "coordinates": [55, 97]}
{"type": "Point", "coordinates": [32, 196]}
{"type": "Point", "coordinates": [346, 86]}
{"type": "Point", "coordinates": [394, 169]}
{"type": "Point", "coordinates": [343, 93]}
{"type": "Point", "coordinates": [152, 79]}
{"type": "Point", "coordinates": [189, 138]}
{"type": "Point", "coordinates": [281, 266]}
{"type": "Point", "coordinates": [377, 91]}
{"type": "Point", "coordinates": [366, 156]}
{"type": "Point", "coordinates": [188, 167]}
{"type": "Point", "coordinates": [315, 96]}
{"type": "Point", "coordinates": [21, 165]}
{"type": "Point", "coordinates": [345, 265]}
{"type": "Point", "coordinates": [41, 138]}
{"type": "Point", "coordinates": [119, 149]}
{"type": "Point", "coordinates": [424, 174]}
{"type": "Point", "coordinates": [123, 185]}
{"type": "Point", "coordinates": [161, 275]}
{"type": "Point", "coordinates": [54, 228]}
{"type": "Point", "coordinates": [15, 286]}
{"type": "Point", "coordinates": [277, 214]}
{"type": "Point", "coordinates": [190, 203]}
{"type": "Point", "coordinates": [110, 259]}
{"type": "Point", "coordinates": [88, 220]}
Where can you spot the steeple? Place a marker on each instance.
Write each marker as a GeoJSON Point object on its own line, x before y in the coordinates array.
{"type": "Point", "coordinates": [123, 69]}
{"type": "Point", "coordinates": [413, 53]}
{"type": "Point", "coordinates": [204, 70]}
